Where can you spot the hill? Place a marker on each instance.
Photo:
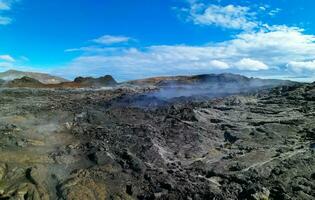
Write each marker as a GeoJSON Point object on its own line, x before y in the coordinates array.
{"type": "Point", "coordinates": [79, 82]}
{"type": "Point", "coordinates": [208, 79]}
{"type": "Point", "coordinates": [210, 85]}
{"type": "Point", "coordinates": [107, 80]}
{"type": "Point", "coordinates": [42, 77]}
{"type": "Point", "coordinates": [24, 82]}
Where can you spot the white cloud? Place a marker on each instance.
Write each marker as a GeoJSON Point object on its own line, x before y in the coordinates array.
{"type": "Point", "coordinates": [276, 45]}
{"type": "Point", "coordinates": [8, 62]}
{"type": "Point", "coordinates": [271, 48]}
{"type": "Point", "coordinates": [268, 10]}
{"type": "Point", "coordinates": [5, 20]}
{"type": "Point", "coordinates": [219, 64]}
{"type": "Point", "coordinates": [259, 48]}
{"type": "Point", "coordinates": [251, 65]}
{"type": "Point", "coordinates": [110, 39]}
{"type": "Point", "coordinates": [6, 65]}
{"type": "Point", "coordinates": [5, 5]}
{"type": "Point", "coordinates": [24, 58]}
{"type": "Point", "coordinates": [302, 65]}
{"type": "Point", "coordinates": [7, 58]}
{"type": "Point", "coordinates": [230, 16]}
{"type": "Point", "coordinates": [274, 12]}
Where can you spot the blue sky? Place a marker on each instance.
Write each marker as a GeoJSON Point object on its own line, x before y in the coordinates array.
{"type": "Point", "coordinates": [143, 38]}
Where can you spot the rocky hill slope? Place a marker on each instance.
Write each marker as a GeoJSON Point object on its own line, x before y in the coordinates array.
{"type": "Point", "coordinates": [23, 82]}
{"type": "Point", "coordinates": [107, 80]}
{"type": "Point", "coordinates": [42, 77]}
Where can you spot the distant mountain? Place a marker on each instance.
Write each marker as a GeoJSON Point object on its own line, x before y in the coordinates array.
{"type": "Point", "coordinates": [41, 77]}
{"type": "Point", "coordinates": [79, 82]}
{"type": "Point", "coordinates": [206, 79]}
{"type": "Point", "coordinates": [24, 82]}
{"type": "Point", "coordinates": [206, 84]}
{"type": "Point", "coordinates": [107, 80]}
{"type": "Point", "coordinates": [210, 85]}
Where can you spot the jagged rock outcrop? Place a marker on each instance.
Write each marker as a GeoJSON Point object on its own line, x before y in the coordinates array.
{"type": "Point", "coordinates": [104, 81]}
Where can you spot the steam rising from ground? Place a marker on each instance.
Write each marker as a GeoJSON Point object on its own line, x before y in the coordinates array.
{"type": "Point", "coordinates": [171, 93]}
{"type": "Point", "coordinates": [206, 90]}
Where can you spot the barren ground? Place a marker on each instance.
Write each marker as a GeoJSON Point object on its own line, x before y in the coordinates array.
{"type": "Point", "coordinates": [124, 144]}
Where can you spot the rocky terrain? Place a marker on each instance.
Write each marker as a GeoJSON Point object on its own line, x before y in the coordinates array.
{"type": "Point", "coordinates": [132, 142]}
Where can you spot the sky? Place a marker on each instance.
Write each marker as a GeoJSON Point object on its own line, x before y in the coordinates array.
{"type": "Point", "coordinates": [144, 38]}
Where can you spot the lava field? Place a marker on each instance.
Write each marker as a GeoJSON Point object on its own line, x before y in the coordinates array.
{"type": "Point", "coordinates": [124, 143]}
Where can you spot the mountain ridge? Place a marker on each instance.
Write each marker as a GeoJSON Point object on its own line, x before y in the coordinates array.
{"type": "Point", "coordinates": [182, 79]}
{"type": "Point", "coordinates": [79, 82]}
{"type": "Point", "coordinates": [13, 78]}
{"type": "Point", "coordinates": [44, 78]}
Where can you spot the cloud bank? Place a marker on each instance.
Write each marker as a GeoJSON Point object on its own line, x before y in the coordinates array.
{"type": "Point", "coordinates": [277, 48]}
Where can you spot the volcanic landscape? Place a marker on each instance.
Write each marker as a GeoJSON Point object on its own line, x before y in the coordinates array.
{"type": "Point", "coordinates": [214, 136]}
